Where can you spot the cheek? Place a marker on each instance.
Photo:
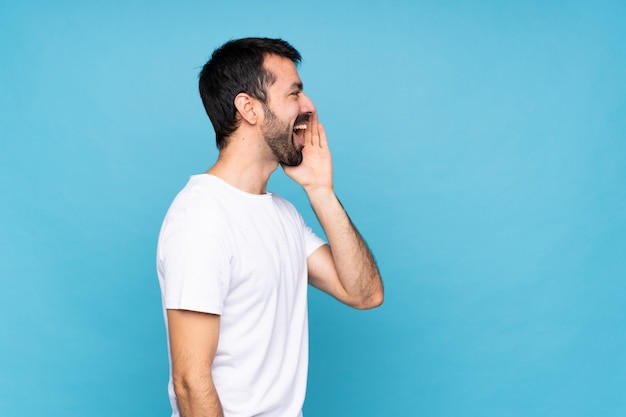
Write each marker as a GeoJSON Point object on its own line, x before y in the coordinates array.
{"type": "Point", "coordinates": [293, 110]}
{"type": "Point", "coordinates": [288, 112]}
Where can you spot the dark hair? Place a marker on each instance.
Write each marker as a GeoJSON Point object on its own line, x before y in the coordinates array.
{"type": "Point", "coordinates": [237, 67]}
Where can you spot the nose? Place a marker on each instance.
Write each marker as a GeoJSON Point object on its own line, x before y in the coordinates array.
{"type": "Point", "coordinates": [306, 104]}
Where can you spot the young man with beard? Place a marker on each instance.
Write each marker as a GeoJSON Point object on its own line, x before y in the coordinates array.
{"type": "Point", "coordinates": [234, 260]}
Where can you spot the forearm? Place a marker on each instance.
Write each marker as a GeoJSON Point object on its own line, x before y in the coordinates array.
{"type": "Point", "coordinates": [353, 260]}
{"type": "Point", "coordinates": [197, 399]}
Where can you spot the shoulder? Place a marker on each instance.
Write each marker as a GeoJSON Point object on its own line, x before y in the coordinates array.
{"type": "Point", "coordinates": [198, 204]}
{"type": "Point", "coordinates": [202, 192]}
{"type": "Point", "coordinates": [196, 220]}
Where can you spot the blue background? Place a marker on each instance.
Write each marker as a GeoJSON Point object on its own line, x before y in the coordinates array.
{"type": "Point", "coordinates": [479, 147]}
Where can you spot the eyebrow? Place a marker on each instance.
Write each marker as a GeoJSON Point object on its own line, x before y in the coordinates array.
{"type": "Point", "coordinates": [297, 85]}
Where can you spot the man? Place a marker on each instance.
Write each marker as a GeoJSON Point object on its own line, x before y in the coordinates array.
{"type": "Point", "coordinates": [234, 260]}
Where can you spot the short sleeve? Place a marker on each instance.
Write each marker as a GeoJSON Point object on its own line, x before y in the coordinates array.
{"type": "Point", "coordinates": [311, 240]}
{"type": "Point", "coordinates": [195, 262]}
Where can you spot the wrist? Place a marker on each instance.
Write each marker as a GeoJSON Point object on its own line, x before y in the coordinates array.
{"type": "Point", "coordinates": [320, 193]}
{"type": "Point", "coordinates": [324, 201]}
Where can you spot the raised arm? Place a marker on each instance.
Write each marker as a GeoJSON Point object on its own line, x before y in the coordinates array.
{"type": "Point", "coordinates": [346, 270]}
{"type": "Point", "coordinates": [193, 343]}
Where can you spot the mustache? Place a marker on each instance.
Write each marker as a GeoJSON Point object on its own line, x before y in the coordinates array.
{"type": "Point", "coordinates": [302, 118]}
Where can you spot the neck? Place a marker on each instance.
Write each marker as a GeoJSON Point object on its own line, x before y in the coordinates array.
{"type": "Point", "coordinates": [243, 166]}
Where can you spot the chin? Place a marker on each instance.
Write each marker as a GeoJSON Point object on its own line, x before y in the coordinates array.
{"type": "Point", "coordinates": [293, 161]}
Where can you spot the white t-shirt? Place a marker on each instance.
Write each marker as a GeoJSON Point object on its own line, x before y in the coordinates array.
{"type": "Point", "coordinates": [242, 256]}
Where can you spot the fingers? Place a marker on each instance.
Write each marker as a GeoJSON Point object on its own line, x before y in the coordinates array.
{"type": "Point", "coordinates": [322, 135]}
{"type": "Point", "coordinates": [308, 133]}
{"type": "Point", "coordinates": [315, 136]}
{"type": "Point", "coordinates": [317, 133]}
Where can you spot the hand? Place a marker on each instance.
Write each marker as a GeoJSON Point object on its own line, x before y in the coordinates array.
{"type": "Point", "coordinates": [316, 170]}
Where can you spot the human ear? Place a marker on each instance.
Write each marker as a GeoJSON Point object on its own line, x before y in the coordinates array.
{"type": "Point", "coordinates": [245, 105]}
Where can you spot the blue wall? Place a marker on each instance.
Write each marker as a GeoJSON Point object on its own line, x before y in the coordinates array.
{"type": "Point", "coordinates": [479, 146]}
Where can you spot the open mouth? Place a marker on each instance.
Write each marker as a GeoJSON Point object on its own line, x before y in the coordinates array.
{"type": "Point", "coordinates": [298, 133]}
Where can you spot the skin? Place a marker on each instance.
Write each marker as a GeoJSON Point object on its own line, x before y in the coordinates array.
{"type": "Point", "coordinates": [278, 136]}
{"type": "Point", "coordinates": [345, 268]}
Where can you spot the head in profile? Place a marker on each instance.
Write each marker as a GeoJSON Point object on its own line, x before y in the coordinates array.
{"type": "Point", "coordinates": [252, 86]}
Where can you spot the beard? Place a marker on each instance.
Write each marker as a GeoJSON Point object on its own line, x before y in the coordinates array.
{"type": "Point", "coordinates": [279, 137]}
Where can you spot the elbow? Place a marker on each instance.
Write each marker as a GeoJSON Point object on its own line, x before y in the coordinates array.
{"type": "Point", "coordinates": [380, 297]}
{"type": "Point", "coordinates": [373, 300]}
{"type": "Point", "coordinates": [188, 384]}
{"type": "Point", "coordinates": [182, 387]}
{"type": "Point", "coordinates": [195, 393]}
